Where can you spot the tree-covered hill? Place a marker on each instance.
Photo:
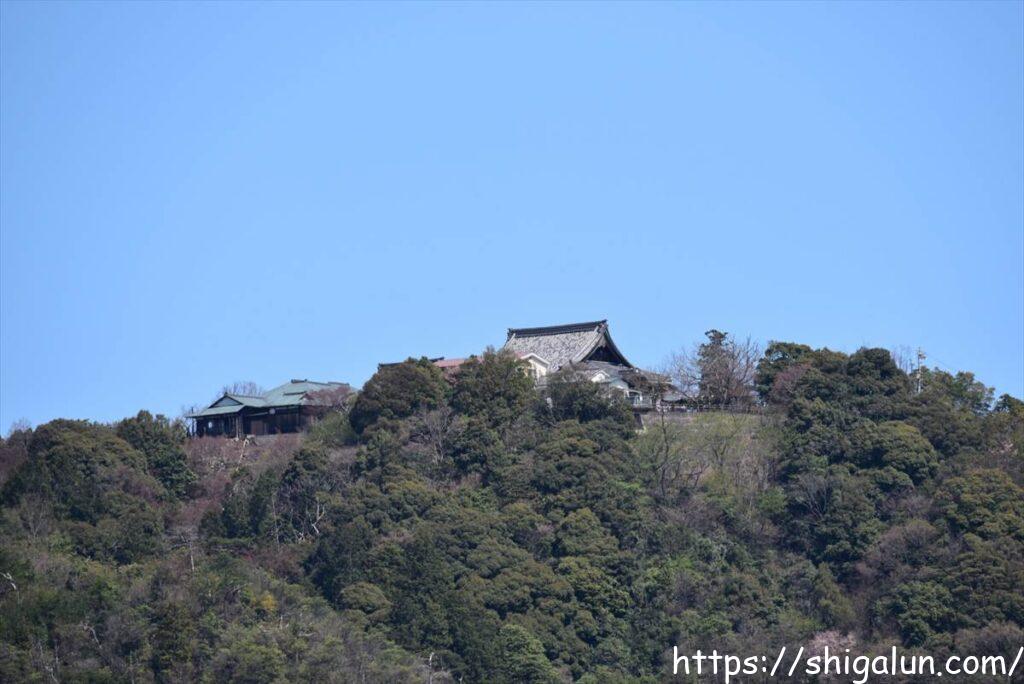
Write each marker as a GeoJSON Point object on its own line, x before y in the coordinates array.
{"type": "Point", "coordinates": [473, 528]}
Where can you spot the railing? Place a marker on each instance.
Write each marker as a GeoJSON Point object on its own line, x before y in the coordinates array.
{"type": "Point", "coordinates": [649, 404]}
{"type": "Point", "coordinates": [641, 402]}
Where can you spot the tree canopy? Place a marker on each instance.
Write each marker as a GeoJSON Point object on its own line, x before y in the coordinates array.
{"type": "Point", "coordinates": [474, 527]}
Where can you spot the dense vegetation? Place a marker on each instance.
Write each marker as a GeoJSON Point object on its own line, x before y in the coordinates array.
{"type": "Point", "coordinates": [473, 528]}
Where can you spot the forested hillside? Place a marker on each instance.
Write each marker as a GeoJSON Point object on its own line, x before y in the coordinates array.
{"type": "Point", "coordinates": [472, 528]}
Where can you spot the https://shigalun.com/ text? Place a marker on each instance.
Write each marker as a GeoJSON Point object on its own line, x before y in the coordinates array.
{"type": "Point", "coordinates": [798, 664]}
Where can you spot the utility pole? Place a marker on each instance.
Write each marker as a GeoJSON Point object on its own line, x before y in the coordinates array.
{"type": "Point", "coordinates": [920, 363]}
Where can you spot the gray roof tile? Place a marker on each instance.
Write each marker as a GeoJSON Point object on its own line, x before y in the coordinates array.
{"type": "Point", "coordinates": [560, 345]}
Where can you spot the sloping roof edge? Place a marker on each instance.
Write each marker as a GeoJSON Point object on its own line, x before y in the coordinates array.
{"type": "Point", "coordinates": [276, 397]}
{"type": "Point", "coordinates": [595, 336]}
{"type": "Point", "coordinates": [556, 329]}
{"type": "Point", "coordinates": [611, 345]}
{"type": "Point", "coordinates": [217, 411]}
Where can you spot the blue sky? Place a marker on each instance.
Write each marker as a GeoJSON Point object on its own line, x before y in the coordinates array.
{"type": "Point", "coordinates": [196, 194]}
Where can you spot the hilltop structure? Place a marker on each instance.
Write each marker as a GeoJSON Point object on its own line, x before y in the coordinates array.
{"type": "Point", "coordinates": [286, 408]}
{"type": "Point", "coordinates": [586, 349]}
{"type": "Point", "coordinates": [583, 349]}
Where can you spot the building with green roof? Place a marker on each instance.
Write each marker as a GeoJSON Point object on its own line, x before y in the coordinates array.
{"type": "Point", "coordinates": [286, 408]}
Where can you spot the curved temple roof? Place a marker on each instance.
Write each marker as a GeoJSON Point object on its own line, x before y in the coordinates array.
{"type": "Point", "coordinates": [560, 345]}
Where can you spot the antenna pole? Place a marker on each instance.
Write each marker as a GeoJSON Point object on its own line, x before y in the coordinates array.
{"type": "Point", "coordinates": [920, 363]}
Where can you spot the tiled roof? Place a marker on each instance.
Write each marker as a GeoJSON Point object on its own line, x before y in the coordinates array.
{"type": "Point", "coordinates": [590, 326]}
{"type": "Point", "coordinates": [560, 345]}
{"type": "Point", "coordinates": [634, 377]}
{"type": "Point", "coordinates": [591, 368]}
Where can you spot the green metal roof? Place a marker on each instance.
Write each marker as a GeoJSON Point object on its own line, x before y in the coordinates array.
{"type": "Point", "coordinates": [294, 393]}
{"type": "Point", "coordinates": [217, 411]}
{"type": "Point", "coordinates": [289, 394]}
{"type": "Point", "coordinates": [247, 400]}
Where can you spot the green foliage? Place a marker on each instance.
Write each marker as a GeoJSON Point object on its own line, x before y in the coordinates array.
{"type": "Point", "coordinates": [962, 390]}
{"type": "Point", "coordinates": [986, 580]}
{"type": "Point", "coordinates": [570, 398]}
{"type": "Point", "coordinates": [920, 609]}
{"type": "Point", "coordinates": [875, 387]}
{"type": "Point", "coordinates": [74, 464]}
{"type": "Point", "coordinates": [226, 620]}
{"type": "Point", "coordinates": [172, 638]}
{"type": "Point", "coordinates": [479, 449]}
{"type": "Point", "coordinates": [333, 431]}
{"type": "Point", "coordinates": [834, 607]}
{"type": "Point", "coordinates": [161, 441]}
{"type": "Point", "coordinates": [367, 598]}
{"type": "Point", "coordinates": [833, 518]}
{"type": "Point", "coordinates": [305, 491]}
{"type": "Point", "coordinates": [778, 364]}
{"type": "Point", "coordinates": [97, 485]}
{"type": "Point", "coordinates": [474, 529]}
{"type": "Point", "coordinates": [948, 410]}
{"type": "Point", "coordinates": [581, 534]}
{"type": "Point", "coordinates": [522, 658]}
{"type": "Point", "coordinates": [985, 502]}
{"type": "Point", "coordinates": [248, 511]}
{"type": "Point", "coordinates": [894, 444]}
{"type": "Point", "coordinates": [340, 558]}
{"type": "Point", "coordinates": [398, 391]}
{"type": "Point", "coordinates": [249, 661]}
{"type": "Point", "coordinates": [131, 533]}
{"type": "Point", "coordinates": [493, 387]}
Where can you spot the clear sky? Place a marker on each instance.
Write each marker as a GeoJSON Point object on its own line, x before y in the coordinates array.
{"type": "Point", "coordinates": [197, 194]}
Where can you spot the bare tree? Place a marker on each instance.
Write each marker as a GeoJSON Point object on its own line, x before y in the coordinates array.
{"type": "Point", "coordinates": [35, 514]}
{"type": "Point", "coordinates": [245, 388]}
{"type": "Point", "coordinates": [187, 410]}
{"type": "Point", "coordinates": [814, 492]}
{"type": "Point", "coordinates": [435, 429]}
{"type": "Point", "coordinates": [680, 452]}
{"type": "Point", "coordinates": [718, 373]}
{"type": "Point", "coordinates": [905, 358]}
{"type": "Point", "coordinates": [14, 449]}
{"type": "Point", "coordinates": [336, 399]}
{"type": "Point", "coordinates": [187, 537]}
{"type": "Point", "coordinates": [676, 466]}
{"type": "Point", "coordinates": [20, 425]}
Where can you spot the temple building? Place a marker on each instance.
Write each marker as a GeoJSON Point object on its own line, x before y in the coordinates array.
{"type": "Point", "coordinates": [286, 408]}
{"type": "Point", "coordinates": [586, 349]}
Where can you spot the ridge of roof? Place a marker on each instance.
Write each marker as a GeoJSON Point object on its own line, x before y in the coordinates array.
{"type": "Point", "coordinates": [557, 329]}
{"type": "Point", "coordinates": [563, 344]}
{"type": "Point", "coordinates": [292, 393]}
{"type": "Point", "coordinates": [325, 383]}
{"type": "Point", "coordinates": [245, 399]}
{"type": "Point", "coordinates": [448, 363]}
